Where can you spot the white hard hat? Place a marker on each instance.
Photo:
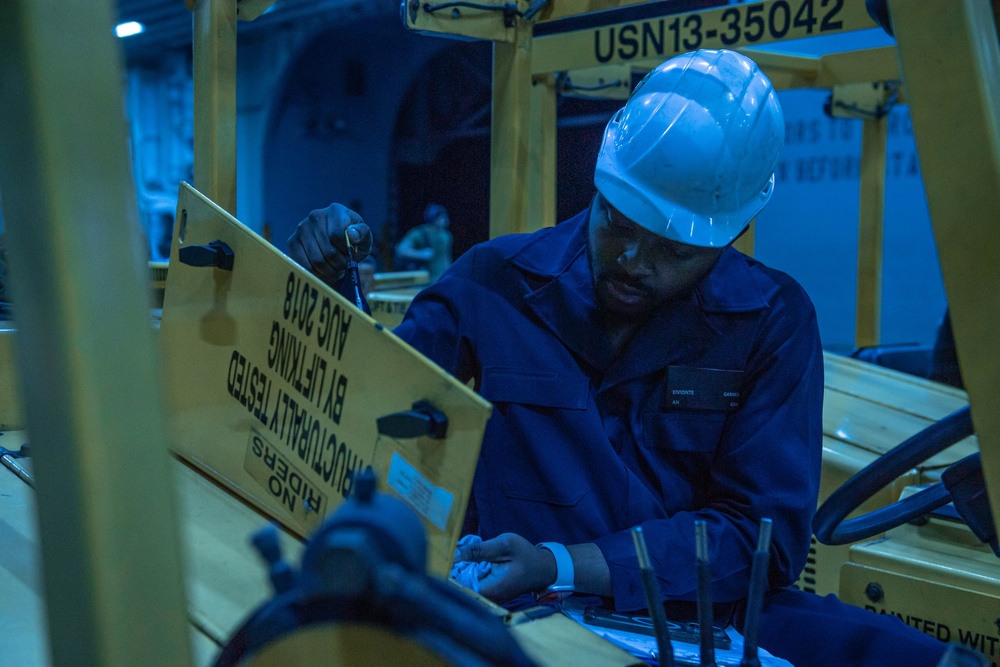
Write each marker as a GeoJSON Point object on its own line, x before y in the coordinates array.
{"type": "Point", "coordinates": [691, 155]}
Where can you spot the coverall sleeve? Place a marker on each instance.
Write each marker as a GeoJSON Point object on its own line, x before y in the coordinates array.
{"type": "Point", "coordinates": [432, 325]}
{"type": "Point", "coordinates": [767, 465]}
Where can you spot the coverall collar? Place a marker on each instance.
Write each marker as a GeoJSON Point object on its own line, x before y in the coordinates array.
{"type": "Point", "coordinates": [564, 300]}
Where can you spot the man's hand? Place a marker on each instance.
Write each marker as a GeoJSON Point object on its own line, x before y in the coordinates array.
{"type": "Point", "coordinates": [318, 242]}
{"type": "Point", "coordinates": [518, 566]}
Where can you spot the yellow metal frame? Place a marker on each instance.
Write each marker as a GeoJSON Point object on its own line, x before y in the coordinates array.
{"type": "Point", "coordinates": [214, 45]}
{"type": "Point", "coordinates": [522, 173]}
{"type": "Point", "coordinates": [868, 318]}
{"type": "Point", "coordinates": [88, 369]}
{"type": "Point", "coordinates": [950, 59]}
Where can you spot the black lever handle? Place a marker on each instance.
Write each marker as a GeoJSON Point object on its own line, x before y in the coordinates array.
{"type": "Point", "coordinates": [216, 254]}
{"type": "Point", "coordinates": [423, 420]}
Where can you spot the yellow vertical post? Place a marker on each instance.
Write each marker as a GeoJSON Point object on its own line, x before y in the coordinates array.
{"type": "Point", "coordinates": [950, 60]}
{"type": "Point", "coordinates": [214, 44]}
{"type": "Point", "coordinates": [509, 135]}
{"type": "Point", "coordinates": [85, 352]}
{"type": "Point", "coordinates": [745, 243]}
{"type": "Point", "coordinates": [868, 314]}
{"type": "Point", "coordinates": [542, 153]}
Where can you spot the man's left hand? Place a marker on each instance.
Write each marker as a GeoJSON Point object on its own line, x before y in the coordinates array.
{"type": "Point", "coordinates": [518, 566]}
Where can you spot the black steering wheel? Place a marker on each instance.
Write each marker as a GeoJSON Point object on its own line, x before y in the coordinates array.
{"type": "Point", "coordinates": [829, 525]}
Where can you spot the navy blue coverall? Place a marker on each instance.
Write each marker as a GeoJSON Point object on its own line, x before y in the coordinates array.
{"type": "Point", "coordinates": [583, 445]}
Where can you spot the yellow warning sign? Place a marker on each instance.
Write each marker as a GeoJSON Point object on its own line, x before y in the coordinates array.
{"type": "Point", "coordinates": [276, 383]}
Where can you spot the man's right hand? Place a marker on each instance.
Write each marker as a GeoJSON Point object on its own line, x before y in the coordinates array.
{"type": "Point", "coordinates": [318, 243]}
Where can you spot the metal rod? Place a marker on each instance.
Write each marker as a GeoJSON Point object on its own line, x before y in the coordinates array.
{"type": "Point", "coordinates": [755, 597]}
{"type": "Point", "coordinates": [664, 648]}
{"type": "Point", "coordinates": [706, 640]}
{"type": "Point", "coordinates": [9, 460]}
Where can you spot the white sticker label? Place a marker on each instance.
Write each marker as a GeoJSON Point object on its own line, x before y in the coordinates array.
{"type": "Point", "coordinates": [431, 501]}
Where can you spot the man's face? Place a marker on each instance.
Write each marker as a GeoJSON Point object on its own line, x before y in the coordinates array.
{"type": "Point", "coordinates": [635, 270]}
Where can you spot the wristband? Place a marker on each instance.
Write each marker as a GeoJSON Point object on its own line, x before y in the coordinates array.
{"type": "Point", "coordinates": [563, 586]}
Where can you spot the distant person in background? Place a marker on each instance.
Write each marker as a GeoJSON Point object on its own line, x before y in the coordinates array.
{"type": "Point", "coordinates": [427, 246]}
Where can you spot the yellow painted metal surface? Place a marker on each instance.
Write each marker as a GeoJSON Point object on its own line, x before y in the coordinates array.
{"type": "Point", "coordinates": [745, 243]}
{"type": "Point", "coordinates": [87, 366]}
{"type": "Point", "coordinates": [553, 641]}
{"type": "Point", "coordinates": [868, 318]}
{"type": "Point", "coordinates": [344, 646]}
{"type": "Point", "coordinates": [907, 394]}
{"type": "Point", "coordinates": [248, 10]}
{"type": "Point", "coordinates": [214, 43]}
{"type": "Point", "coordinates": [389, 306]}
{"type": "Point", "coordinates": [793, 71]}
{"type": "Point", "coordinates": [226, 581]}
{"type": "Point", "coordinates": [542, 156]}
{"type": "Point", "coordinates": [473, 22]}
{"type": "Point", "coordinates": [276, 382]}
{"type": "Point", "coordinates": [950, 60]}
{"type": "Point", "coordinates": [937, 578]}
{"type": "Point", "coordinates": [559, 641]}
{"type": "Point", "coordinates": [840, 462]}
{"type": "Point", "coordinates": [565, 8]}
{"type": "Point", "coordinates": [867, 411]}
{"type": "Point", "coordinates": [663, 34]}
{"type": "Point", "coordinates": [11, 410]}
{"type": "Point", "coordinates": [858, 423]}
{"type": "Point", "coordinates": [510, 135]}
{"type": "Point", "coordinates": [394, 279]}
{"type": "Point", "coordinates": [225, 578]}
{"type": "Point", "coordinates": [860, 66]}
{"type": "Point", "coordinates": [608, 82]}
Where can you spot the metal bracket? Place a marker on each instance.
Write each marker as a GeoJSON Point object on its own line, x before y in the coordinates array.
{"type": "Point", "coordinates": [216, 254]}
{"type": "Point", "coordinates": [246, 10]}
{"type": "Point", "coordinates": [610, 82]}
{"type": "Point", "coordinates": [478, 17]}
{"type": "Point", "coordinates": [862, 100]}
{"type": "Point", "coordinates": [424, 420]}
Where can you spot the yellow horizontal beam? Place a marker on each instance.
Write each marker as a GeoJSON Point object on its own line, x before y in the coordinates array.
{"type": "Point", "coordinates": [661, 34]}
{"type": "Point", "coordinates": [475, 23]}
{"type": "Point", "coordinates": [789, 71]}
{"type": "Point", "coordinates": [560, 9]}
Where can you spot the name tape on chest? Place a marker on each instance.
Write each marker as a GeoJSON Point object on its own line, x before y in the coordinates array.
{"type": "Point", "coordinates": [690, 388]}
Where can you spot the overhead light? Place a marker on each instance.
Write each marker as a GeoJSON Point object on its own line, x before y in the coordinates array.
{"type": "Point", "coordinates": [129, 28]}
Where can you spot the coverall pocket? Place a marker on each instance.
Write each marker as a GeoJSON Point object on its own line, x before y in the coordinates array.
{"type": "Point", "coordinates": [529, 386]}
{"type": "Point", "coordinates": [539, 406]}
{"type": "Point", "coordinates": [683, 430]}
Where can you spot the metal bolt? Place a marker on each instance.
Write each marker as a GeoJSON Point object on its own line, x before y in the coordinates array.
{"type": "Point", "coordinates": [875, 593]}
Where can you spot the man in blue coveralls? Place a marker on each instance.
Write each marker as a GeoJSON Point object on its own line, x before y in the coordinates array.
{"type": "Point", "coordinates": [644, 372]}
